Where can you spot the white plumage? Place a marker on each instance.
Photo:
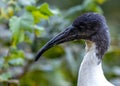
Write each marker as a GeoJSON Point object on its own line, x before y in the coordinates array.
{"type": "Point", "coordinates": [91, 73]}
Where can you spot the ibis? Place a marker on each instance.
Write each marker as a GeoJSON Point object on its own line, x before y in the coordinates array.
{"type": "Point", "coordinates": [91, 27]}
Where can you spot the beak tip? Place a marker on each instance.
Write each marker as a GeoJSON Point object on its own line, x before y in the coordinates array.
{"type": "Point", "coordinates": [37, 57]}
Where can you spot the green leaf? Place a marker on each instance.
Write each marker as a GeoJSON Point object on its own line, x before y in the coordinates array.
{"type": "Point", "coordinates": [1, 62]}
{"type": "Point", "coordinates": [31, 8]}
{"type": "Point", "coordinates": [38, 16]}
{"type": "Point", "coordinates": [14, 53]}
{"type": "Point", "coordinates": [18, 26]}
{"type": "Point", "coordinates": [14, 24]}
{"type": "Point", "coordinates": [21, 36]}
{"type": "Point", "coordinates": [16, 62]}
{"type": "Point", "coordinates": [27, 22]}
{"type": "Point", "coordinates": [5, 76]}
{"type": "Point", "coordinates": [44, 8]}
{"type": "Point", "coordinates": [38, 30]}
{"type": "Point", "coordinates": [41, 12]}
{"type": "Point", "coordinates": [100, 1]}
{"type": "Point", "coordinates": [98, 9]}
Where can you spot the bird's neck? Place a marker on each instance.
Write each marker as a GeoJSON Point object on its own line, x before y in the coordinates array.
{"type": "Point", "coordinates": [91, 73]}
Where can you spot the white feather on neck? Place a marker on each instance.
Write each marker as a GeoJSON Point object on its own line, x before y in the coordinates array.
{"type": "Point", "coordinates": [91, 73]}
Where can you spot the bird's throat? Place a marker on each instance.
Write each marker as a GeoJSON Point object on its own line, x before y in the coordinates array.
{"type": "Point", "coordinates": [90, 73]}
{"type": "Point", "coordinates": [89, 45]}
{"type": "Point", "coordinates": [91, 57]}
{"type": "Point", "coordinates": [89, 69]}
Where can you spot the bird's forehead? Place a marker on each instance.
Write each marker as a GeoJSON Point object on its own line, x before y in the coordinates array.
{"type": "Point", "coordinates": [89, 18]}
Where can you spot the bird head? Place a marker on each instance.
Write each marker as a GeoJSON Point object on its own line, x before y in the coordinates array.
{"type": "Point", "coordinates": [89, 26]}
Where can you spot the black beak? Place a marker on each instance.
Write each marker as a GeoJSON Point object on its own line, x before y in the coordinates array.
{"type": "Point", "coordinates": [71, 33]}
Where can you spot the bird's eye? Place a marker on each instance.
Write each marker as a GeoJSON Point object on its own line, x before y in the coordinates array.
{"type": "Point", "coordinates": [82, 28]}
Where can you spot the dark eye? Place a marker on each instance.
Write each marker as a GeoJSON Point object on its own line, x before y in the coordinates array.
{"type": "Point", "coordinates": [82, 28]}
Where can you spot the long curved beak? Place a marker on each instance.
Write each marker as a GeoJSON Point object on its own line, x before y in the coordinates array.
{"type": "Point", "coordinates": [70, 33]}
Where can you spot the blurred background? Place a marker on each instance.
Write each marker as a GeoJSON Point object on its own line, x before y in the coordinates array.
{"type": "Point", "coordinates": [26, 25]}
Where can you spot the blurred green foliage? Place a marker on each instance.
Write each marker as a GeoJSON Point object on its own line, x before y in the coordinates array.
{"type": "Point", "coordinates": [25, 26]}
